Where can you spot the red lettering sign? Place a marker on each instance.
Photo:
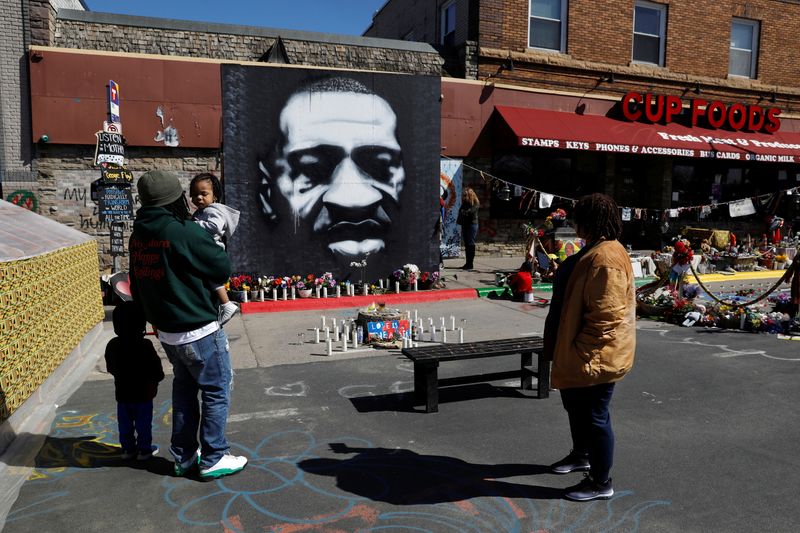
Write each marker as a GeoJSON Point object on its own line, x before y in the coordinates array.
{"type": "Point", "coordinates": [665, 109]}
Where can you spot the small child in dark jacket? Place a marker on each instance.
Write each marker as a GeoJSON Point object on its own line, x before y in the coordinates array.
{"type": "Point", "coordinates": [136, 368]}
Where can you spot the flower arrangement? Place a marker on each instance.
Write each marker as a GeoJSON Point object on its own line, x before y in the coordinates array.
{"type": "Point", "coordinates": [558, 214]}
{"type": "Point", "coordinates": [431, 277]}
{"type": "Point", "coordinates": [406, 275]}
{"type": "Point", "coordinates": [683, 253]}
{"type": "Point", "coordinates": [240, 282]}
{"type": "Point", "coordinates": [781, 258]}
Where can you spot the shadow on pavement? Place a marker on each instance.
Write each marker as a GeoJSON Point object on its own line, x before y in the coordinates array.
{"type": "Point", "coordinates": [403, 402]}
{"type": "Point", "coordinates": [404, 477]}
{"type": "Point", "coordinates": [87, 452]}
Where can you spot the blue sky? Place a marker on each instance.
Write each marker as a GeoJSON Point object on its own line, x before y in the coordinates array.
{"type": "Point", "coordinates": [350, 17]}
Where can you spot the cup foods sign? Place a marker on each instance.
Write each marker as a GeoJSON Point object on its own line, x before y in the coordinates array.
{"type": "Point", "coordinates": [659, 108]}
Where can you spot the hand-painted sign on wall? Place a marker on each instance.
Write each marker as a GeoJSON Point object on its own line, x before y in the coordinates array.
{"type": "Point", "coordinates": [450, 195]}
{"type": "Point", "coordinates": [330, 167]}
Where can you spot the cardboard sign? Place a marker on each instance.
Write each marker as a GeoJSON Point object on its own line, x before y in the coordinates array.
{"type": "Point", "coordinates": [117, 240]}
{"type": "Point", "coordinates": [388, 329]}
{"type": "Point", "coordinates": [115, 203]}
{"type": "Point", "coordinates": [114, 174]}
{"type": "Point", "coordinates": [109, 149]}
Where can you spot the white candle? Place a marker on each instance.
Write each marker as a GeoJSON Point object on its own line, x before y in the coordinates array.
{"type": "Point", "coordinates": [415, 285]}
{"type": "Point", "coordinates": [284, 294]}
{"type": "Point", "coordinates": [336, 332]}
{"type": "Point", "coordinates": [444, 335]}
{"type": "Point", "coordinates": [316, 335]}
{"type": "Point", "coordinates": [274, 295]}
{"type": "Point", "coordinates": [344, 344]}
{"type": "Point", "coordinates": [461, 335]}
{"type": "Point", "coordinates": [355, 339]}
{"type": "Point", "coordinates": [346, 334]}
{"type": "Point", "coordinates": [327, 332]}
{"type": "Point", "coordinates": [323, 320]}
{"type": "Point", "coordinates": [397, 287]}
{"type": "Point", "coordinates": [292, 293]}
{"type": "Point", "coordinates": [338, 291]}
{"type": "Point", "coordinates": [443, 327]}
{"type": "Point", "coordinates": [452, 323]}
{"type": "Point", "coordinates": [260, 295]}
{"type": "Point", "coordinates": [380, 283]}
{"type": "Point", "coordinates": [330, 347]}
{"type": "Point", "coordinates": [366, 290]}
{"type": "Point", "coordinates": [433, 334]}
{"type": "Point", "coordinates": [415, 315]}
{"type": "Point", "coordinates": [244, 296]}
{"type": "Point", "coordinates": [316, 291]}
{"type": "Point", "coordinates": [421, 330]}
{"type": "Point", "coordinates": [324, 292]}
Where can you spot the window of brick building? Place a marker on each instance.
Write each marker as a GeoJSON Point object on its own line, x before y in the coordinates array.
{"type": "Point", "coordinates": [547, 28]}
{"type": "Point", "coordinates": [744, 48]}
{"type": "Point", "coordinates": [649, 33]}
{"type": "Point", "coordinates": [448, 17]}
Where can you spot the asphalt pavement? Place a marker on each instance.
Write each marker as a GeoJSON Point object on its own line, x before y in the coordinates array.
{"type": "Point", "coordinates": [706, 437]}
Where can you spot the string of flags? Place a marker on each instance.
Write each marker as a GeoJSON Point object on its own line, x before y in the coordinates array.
{"type": "Point", "coordinates": [532, 198]}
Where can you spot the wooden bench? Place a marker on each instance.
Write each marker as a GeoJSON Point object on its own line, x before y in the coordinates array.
{"type": "Point", "coordinates": [427, 358]}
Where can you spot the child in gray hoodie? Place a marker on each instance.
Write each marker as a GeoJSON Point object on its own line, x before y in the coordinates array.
{"type": "Point", "coordinates": [217, 219]}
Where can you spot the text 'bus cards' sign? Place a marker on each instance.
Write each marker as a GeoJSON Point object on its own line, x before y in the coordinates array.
{"type": "Point", "coordinates": [109, 149]}
{"type": "Point", "coordinates": [115, 203]}
{"type": "Point", "coordinates": [117, 239]}
{"type": "Point", "coordinates": [388, 329]}
{"type": "Point", "coordinates": [114, 174]}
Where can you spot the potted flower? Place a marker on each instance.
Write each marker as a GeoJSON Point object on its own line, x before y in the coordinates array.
{"type": "Point", "coordinates": [427, 279]}
{"type": "Point", "coordinates": [237, 285]}
{"type": "Point", "coordinates": [406, 276]}
{"type": "Point", "coordinates": [780, 261]}
{"type": "Point", "coordinates": [304, 289]}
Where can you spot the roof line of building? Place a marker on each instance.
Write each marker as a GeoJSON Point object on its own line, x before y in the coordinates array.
{"type": "Point", "coordinates": [235, 29]}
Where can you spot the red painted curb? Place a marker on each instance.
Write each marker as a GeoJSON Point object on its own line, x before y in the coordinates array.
{"type": "Point", "coordinates": [307, 304]}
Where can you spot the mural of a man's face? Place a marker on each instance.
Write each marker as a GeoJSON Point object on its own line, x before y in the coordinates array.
{"type": "Point", "coordinates": [340, 167]}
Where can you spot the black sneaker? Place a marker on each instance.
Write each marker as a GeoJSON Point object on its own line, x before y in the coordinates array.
{"type": "Point", "coordinates": [574, 462]}
{"type": "Point", "coordinates": [588, 490]}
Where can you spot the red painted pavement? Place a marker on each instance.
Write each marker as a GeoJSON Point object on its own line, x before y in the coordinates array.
{"type": "Point", "coordinates": [307, 304]}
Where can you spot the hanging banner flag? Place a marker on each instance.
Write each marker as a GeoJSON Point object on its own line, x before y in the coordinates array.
{"type": "Point", "coordinates": [742, 208]}
{"type": "Point", "coordinates": [545, 200]}
{"type": "Point", "coordinates": [450, 176]}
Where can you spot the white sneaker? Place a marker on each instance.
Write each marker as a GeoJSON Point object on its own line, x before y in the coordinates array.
{"type": "Point", "coordinates": [226, 312]}
{"type": "Point", "coordinates": [229, 464]}
{"type": "Point", "coordinates": [144, 456]}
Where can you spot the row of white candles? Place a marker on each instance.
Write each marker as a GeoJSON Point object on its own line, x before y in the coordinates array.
{"type": "Point", "coordinates": [415, 320]}
{"type": "Point", "coordinates": [321, 292]}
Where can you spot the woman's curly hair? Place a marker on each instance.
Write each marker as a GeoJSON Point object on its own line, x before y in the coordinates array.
{"type": "Point", "coordinates": [597, 215]}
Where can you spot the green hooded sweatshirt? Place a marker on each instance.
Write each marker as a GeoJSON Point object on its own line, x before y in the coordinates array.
{"type": "Point", "coordinates": [174, 267]}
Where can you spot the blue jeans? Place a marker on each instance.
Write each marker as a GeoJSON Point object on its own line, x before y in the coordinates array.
{"type": "Point", "coordinates": [135, 422]}
{"type": "Point", "coordinates": [469, 234]}
{"type": "Point", "coordinates": [590, 426]}
{"type": "Point", "coordinates": [202, 366]}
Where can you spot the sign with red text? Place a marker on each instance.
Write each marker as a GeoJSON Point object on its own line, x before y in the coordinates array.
{"type": "Point", "coordinates": [663, 109]}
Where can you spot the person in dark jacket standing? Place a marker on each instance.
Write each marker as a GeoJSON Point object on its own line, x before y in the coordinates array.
{"type": "Point", "coordinates": [172, 261]}
{"type": "Point", "coordinates": [136, 368]}
{"type": "Point", "coordinates": [468, 220]}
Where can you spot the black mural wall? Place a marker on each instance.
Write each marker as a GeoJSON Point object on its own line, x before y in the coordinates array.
{"type": "Point", "coordinates": [329, 167]}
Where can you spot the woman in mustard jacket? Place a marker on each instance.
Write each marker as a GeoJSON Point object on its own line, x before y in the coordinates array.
{"type": "Point", "coordinates": [590, 335]}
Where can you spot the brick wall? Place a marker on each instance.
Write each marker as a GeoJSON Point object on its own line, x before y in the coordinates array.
{"type": "Point", "coordinates": [131, 34]}
{"type": "Point", "coordinates": [697, 47]}
{"type": "Point", "coordinates": [14, 102]}
{"type": "Point", "coordinates": [63, 188]}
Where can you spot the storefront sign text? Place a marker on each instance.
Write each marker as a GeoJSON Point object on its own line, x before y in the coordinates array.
{"type": "Point", "coordinates": [663, 109]}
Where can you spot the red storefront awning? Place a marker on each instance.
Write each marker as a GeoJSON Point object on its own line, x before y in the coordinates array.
{"type": "Point", "coordinates": [556, 129]}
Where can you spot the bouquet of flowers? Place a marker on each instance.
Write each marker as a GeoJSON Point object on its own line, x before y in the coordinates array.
{"type": "Point", "coordinates": [683, 253]}
{"type": "Point", "coordinates": [406, 275]}
{"type": "Point", "coordinates": [240, 282]}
